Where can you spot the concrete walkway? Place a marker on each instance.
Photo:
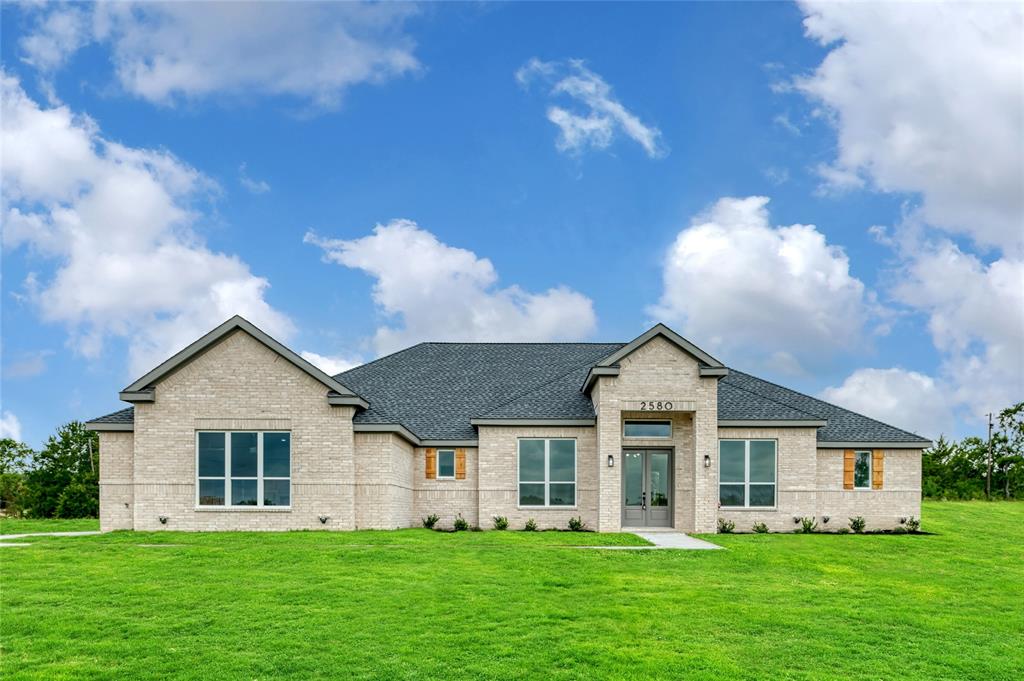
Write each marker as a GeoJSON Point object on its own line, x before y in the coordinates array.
{"type": "Point", "coordinates": [6, 537]}
{"type": "Point", "coordinates": [663, 540]}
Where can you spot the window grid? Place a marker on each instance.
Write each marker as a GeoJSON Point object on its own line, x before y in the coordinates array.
{"type": "Point", "coordinates": [228, 478]}
{"type": "Point", "coordinates": [747, 484]}
{"type": "Point", "coordinates": [547, 481]}
{"type": "Point", "coordinates": [857, 459]}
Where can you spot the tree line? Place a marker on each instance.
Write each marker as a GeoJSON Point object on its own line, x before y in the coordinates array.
{"type": "Point", "coordinates": [59, 481]}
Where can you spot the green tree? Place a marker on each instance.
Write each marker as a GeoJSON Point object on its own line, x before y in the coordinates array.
{"type": "Point", "coordinates": [70, 456]}
{"type": "Point", "coordinates": [1009, 448]}
{"type": "Point", "coordinates": [15, 459]}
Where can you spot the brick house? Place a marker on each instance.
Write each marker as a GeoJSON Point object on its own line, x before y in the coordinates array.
{"type": "Point", "coordinates": [237, 432]}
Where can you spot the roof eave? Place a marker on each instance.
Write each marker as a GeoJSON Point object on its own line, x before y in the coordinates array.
{"type": "Point", "coordinates": [532, 422]}
{"type": "Point", "coordinates": [661, 330]}
{"type": "Point", "coordinates": [111, 427]}
{"type": "Point", "coordinates": [772, 423]}
{"type": "Point", "coordinates": [875, 444]}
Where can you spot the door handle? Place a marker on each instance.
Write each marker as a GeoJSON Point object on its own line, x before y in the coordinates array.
{"type": "Point", "coordinates": [643, 500]}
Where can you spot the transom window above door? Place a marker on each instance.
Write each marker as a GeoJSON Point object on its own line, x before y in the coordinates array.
{"type": "Point", "coordinates": [243, 468]}
{"type": "Point", "coordinates": [647, 428]}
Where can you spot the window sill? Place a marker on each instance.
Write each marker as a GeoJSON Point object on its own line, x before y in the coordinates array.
{"type": "Point", "coordinates": [547, 508]}
{"type": "Point", "coordinates": [243, 509]}
{"type": "Point", "coordinates": [750, 508]}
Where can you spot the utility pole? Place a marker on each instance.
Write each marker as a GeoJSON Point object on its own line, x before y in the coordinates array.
{"type": "Point", "coordinates": [988, 477]}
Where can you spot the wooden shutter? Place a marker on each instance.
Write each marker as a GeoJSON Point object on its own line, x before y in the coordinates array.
{"type": "Point", "coordinates": [877, 468]}
{"type": "Point", "coordinates": [460, 464]}
{"type": "Point", "coordinates": [848, 461]}
{"type": "Point", "coordinates": [431, 464]}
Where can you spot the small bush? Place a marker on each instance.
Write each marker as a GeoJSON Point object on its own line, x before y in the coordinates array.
{"type": "Point", "coordinates": [808, 525]}
{"type": "Point", "coordinates": [460, 523]}
{"type": "Point", "coordinates": [576, 524]}
{"type": "Point", "coordinates": [858, 524]}
{"type": "Point", "coordinates": [500, 522]}
{"type": "Point", "coordinates": [430, 521]}
{"type": "Point", "coordinates": [899, 529]}
{"type": "Point", "coordinates": [476, 528]}
{"type": "Point", "coordinates": [843, 530]}
{"type": "Point", "coordinates": [760, 528]}
{"type": "Point", "coordinates": [78, 500]}
{"type": "Point", "coordinates": [726, 526]}
{"type": "Point", "coordinates": [531, 526]}
{"type": "Point", "coordinates": [913, 525]}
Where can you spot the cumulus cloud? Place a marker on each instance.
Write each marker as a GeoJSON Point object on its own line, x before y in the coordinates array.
{"type": "Point", "coordinates": [331, 365]}
{"type": "Point", "coordinates": [597, 115]}
{"type": "Point", "coordinates": [778, 296]}
{"type": "Point", "coordinates": [916, 402]}
{"type": "Point", "coordinates": [912, 117]}
{"type": "Point", "coordinates": [439, 292]}
{"type": "Point", "coordinates": [10, 426]}
{"type": "Point", "coordinates": [134, 269]}
{"type": "Point", "coordinates": [167, 51]}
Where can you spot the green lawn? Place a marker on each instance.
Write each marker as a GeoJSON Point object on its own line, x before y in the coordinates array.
{"type": "Point", "coordinates": [416, 604]}
{"type": "Point", "coordinates": [22, 525]}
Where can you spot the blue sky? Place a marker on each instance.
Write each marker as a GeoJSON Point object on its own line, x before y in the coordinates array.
{"type": "Point", "coordinates": [358, 178]}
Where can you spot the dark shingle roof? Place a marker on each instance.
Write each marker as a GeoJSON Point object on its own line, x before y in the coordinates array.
{"type": "Point", "coordinates": [435, 389]}
{"type": "Point", "coordinates": [124, 416]}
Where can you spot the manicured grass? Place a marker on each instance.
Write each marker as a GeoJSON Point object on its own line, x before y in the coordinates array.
{"type": "Point", "coordinates": [416, 604]}
{"type": "Point", "coordinates": [22, 525]}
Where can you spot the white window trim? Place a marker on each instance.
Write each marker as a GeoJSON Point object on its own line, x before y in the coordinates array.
{"type": "Point", "coordinates": [227, 477]}
{"type": "Point", "coordinates": [445, 477]}
{"type": "Point", "coordinates": [871, 464]}
{"type": "Point", "coordinates": [547, 482]}
{"type": "Point", "coordinates": [647, 437]}
{"type": "Point", "coordinates": [746, 475]}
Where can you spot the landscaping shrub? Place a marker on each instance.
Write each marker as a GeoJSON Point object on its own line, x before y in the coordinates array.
{"type": "Point", "coordinates": [500, 522]}
{"type": "Point", "coordinates": [857, 524]}
{"type": "Point", "coordinates": [531, 526]}
{"type": "Point", "coordinates": [725, 526]}
{"type": "Point", "coordinates": [843, 530]}
{"type": "Point", "coordinates": [808, 525]}
{"type": "Point", "coordinates": [78, 500]}
{"type": "Point", "coordinates": [430, 521]}
{"type": "Point", "coordinates": [913, 525]}
{"type": "Point", "coordinates": [760, 528]}
{"type": "Point", "coordinates": [576, 524]}
{"type": "Point", "coordinates": [460, 523]}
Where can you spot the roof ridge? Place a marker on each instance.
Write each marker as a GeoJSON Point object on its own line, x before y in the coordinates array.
{"type": "Point", "coordinates": [770, 399]}
{"type": "Point", "coordinates": [815, 399]}
{"type": "Point", "coordinates": [519, 343]}
{"type": "Point", "coordinates": [529, 391]}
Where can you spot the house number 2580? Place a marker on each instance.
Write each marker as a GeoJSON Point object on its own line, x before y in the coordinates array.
{"type": "Point", "coordinates": [655, 406]}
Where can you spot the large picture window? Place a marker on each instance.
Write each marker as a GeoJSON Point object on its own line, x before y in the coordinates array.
{"type": "Point", "coordinates": [547, 472]}
{"type": "Point", "coordinates": [243, 469]}
{"type": "Point", "coordinates": [746, 473]}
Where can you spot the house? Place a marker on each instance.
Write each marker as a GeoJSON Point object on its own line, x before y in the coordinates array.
{"type": "Point", "coordinates": [237, 432]}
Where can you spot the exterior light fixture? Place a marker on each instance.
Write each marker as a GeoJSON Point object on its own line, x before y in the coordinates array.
{"type": "Point", "coordinates": [163, 519]}
{"type": "Point", "coordinates": [324, 519]}
{"type": "Point", "coordinates": [611, 461]}
{"type": "Point", "coordinates": [707, 461]}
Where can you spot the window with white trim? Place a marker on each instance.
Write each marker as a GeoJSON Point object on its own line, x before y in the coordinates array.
{"type": "Point", "coordinates": [862, 470]}
{"type": "Point", "coordinates": [243, 468]}
{"type": "Point", "coordinates": [746, 473]}
{"type": "Point", "coordinates": [547, 472]}
{"type": "Point", "coordinates": [446, 464]}
{"type": "Point", "coordinates": [648, 428]}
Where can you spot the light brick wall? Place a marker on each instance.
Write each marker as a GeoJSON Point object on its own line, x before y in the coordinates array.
{"type": "Point", "coordinates": [384, 487]}
{"type": "Point", "coordinates": [682, 444]}
{"type": "Point", "coordinates": [659, 370]}
{"type": "Point", "coordinates": [795, 480]}
{"type": "Point", "coordinates": [239, 382]}
{"type": "Point", "coordinates": [447, 498]}
{"type": "Point", "coordinates": [116, 493]}
{"type": "Point", "coordinates": [900, 496]}
{"type": "Point", "coordinates": [499, 483]}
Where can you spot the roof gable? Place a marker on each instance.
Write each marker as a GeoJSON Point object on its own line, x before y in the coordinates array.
{"type": "Point", "coordinates": [142, 389]}
{"type": "Point", "coordinates": [668, 334]}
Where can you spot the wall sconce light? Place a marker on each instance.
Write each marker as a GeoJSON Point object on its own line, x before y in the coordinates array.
{"type": "Point", "coordinates": [163, 519]}
{"type": "Point", "coordinates": [611, 461]}
{"type": "Point", "coordinates": [707, 461]}
{"type": "Point", "coordinates": [824, 519]}
{"type": "Point", "coordinates": [324, 519]}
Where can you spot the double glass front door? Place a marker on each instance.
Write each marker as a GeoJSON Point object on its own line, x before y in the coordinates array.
{"type": "Point", "coordinates": [646, 488]}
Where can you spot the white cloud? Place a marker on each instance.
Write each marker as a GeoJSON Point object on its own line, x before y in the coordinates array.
{"type": "Point", "coordinates": [28, 365]}
{"type": "Point", "coordinates": [913, 118]}
{"type": "Point", "coordinates": [600, 116]}
{"type": "Point", "coordinates": [133, 269]}
{"type": "Point", "coordinates": [10, 426]}
{"type": "Point", "coordinates": [331, 365]}
{"type": "Point", "coordinates": [914, 401]}
{"type": "Point", "coordinates": [163, 52]}
{"type": "Point", "coordinates": [777, 296]}
{"type": "Point", "coordinates": [250, 184]}
{"type": "Point", "coordinates": [439, 292]}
